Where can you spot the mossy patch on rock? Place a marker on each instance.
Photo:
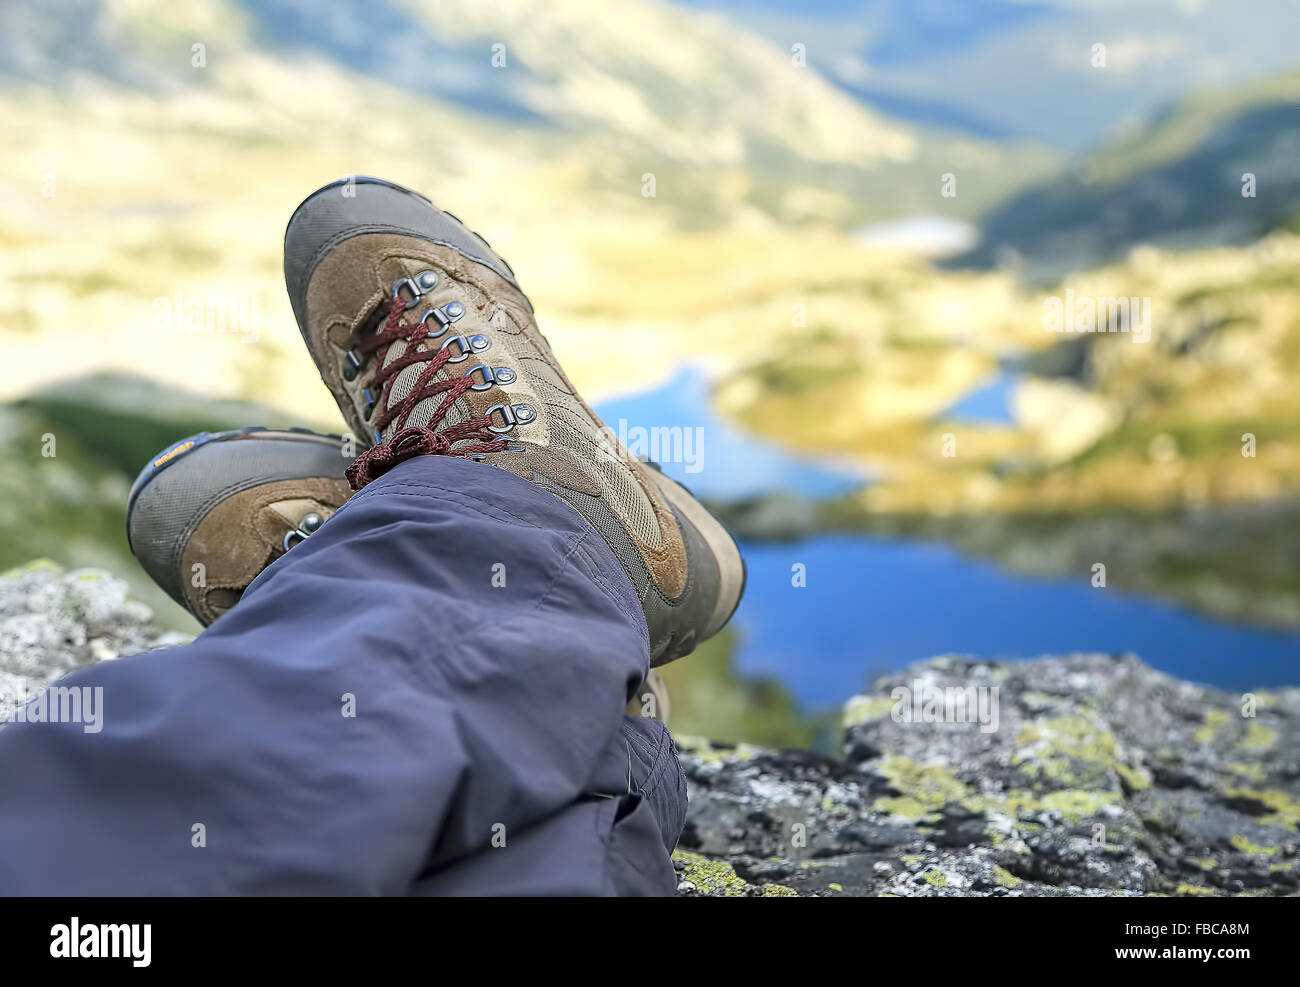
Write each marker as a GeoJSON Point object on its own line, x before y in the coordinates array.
{"type": "Point", "coordinates": [923, 789]}
{"type": "Point", "coordinates": [859, 709]}
{"type": "Point", "coordinates": [1005, 878]}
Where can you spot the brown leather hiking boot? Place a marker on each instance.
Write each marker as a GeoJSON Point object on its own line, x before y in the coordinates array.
{"type": "Point", "coordinates": [208, 513]}
{"type": "Point", "coordinates": [430, 347]}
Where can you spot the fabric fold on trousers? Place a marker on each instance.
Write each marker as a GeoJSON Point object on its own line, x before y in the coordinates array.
{"type": "Point", "coordinates": [443, 665]}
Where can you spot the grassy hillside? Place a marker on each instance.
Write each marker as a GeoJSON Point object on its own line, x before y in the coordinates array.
{"type": "Point", "coordinates": [145, 183]}
{"type": "Point", "coordinates": [1101, 420]}
{"type": "Point", "coordinates": [72, 453]}
{"type": "Point", "coordinates": [1177, 458]}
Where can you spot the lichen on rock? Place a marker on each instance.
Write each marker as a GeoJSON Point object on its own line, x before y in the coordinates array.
{"type": "Point", "coordinates": [1103, 777]}
{"type": "Point", "coordinates": [52, 623]}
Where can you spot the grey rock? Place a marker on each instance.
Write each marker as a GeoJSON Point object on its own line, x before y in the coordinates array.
{"type": "Point", "coordinates": [1103, 777]}
{"type": "Point", "coordinates": [52, 623]}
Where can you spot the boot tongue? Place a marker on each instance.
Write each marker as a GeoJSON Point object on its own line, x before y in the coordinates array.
{"type": "Point", "coordinates": [405, 380]}
{"type": "Point", "coordinates": [292, 511]}
{"type": "Point", "coordinates": [281, 517]}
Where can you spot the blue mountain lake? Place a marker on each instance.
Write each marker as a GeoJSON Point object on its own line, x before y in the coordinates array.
{"type": "Point", "coordinates": [872, 604]}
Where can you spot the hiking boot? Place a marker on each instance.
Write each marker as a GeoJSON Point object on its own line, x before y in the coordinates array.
{"type": "Point", "coordinates": [210, 512]}
{"type": "Point", "coordinates": [426, 341]}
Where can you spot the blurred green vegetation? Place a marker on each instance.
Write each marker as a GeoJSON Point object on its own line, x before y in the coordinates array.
{"type": "Point", "coordinates": [708, 698]}
{"type": "Point", "coordinates": [71, 506]}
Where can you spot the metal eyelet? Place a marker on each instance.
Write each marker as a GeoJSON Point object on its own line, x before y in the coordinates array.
{"type": "Point", "coordinates": [352, 364]}
{"type": "Point", "coordinates": [507, 418]}
{"type": "Point", "coordinates": [307, 527]}
{"type": "Point", "coordinates": [368, 407]}
{"type": "Point", "coordinates": [478, 457]}
{"type": "Point", "coordinates": [511, 415]}
{"type": "Point", "coordinates": [441, 328]}
{"type": "Point", "coordinates": [421, 284]}
{"type": "Point", "coordinates": [444, 315]}
{"type": "Point", "coordinates": [491, 376]}
{"type": "Point", "coordinates": [468, 346]}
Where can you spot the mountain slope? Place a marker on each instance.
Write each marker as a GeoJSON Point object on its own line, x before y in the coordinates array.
{"type": "Point", "coordinates": [145, 177]}
{"type": "Point", "coordinates": [629, 86]}
{"type": "Point", "coordinates": [1176, 183]}
{"type": "Point", "coordinates": [1023, 68]}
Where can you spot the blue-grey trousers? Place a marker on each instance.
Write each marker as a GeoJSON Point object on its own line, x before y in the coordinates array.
{"type": "Point", "coordinates": [425, 697]}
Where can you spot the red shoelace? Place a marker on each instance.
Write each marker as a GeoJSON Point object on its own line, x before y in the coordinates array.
{"type": "Point", "coordinates": [415, 440]}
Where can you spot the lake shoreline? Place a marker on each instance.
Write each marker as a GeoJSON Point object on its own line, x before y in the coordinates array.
{"type": "Point", "coordinates": [1230, 562]}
